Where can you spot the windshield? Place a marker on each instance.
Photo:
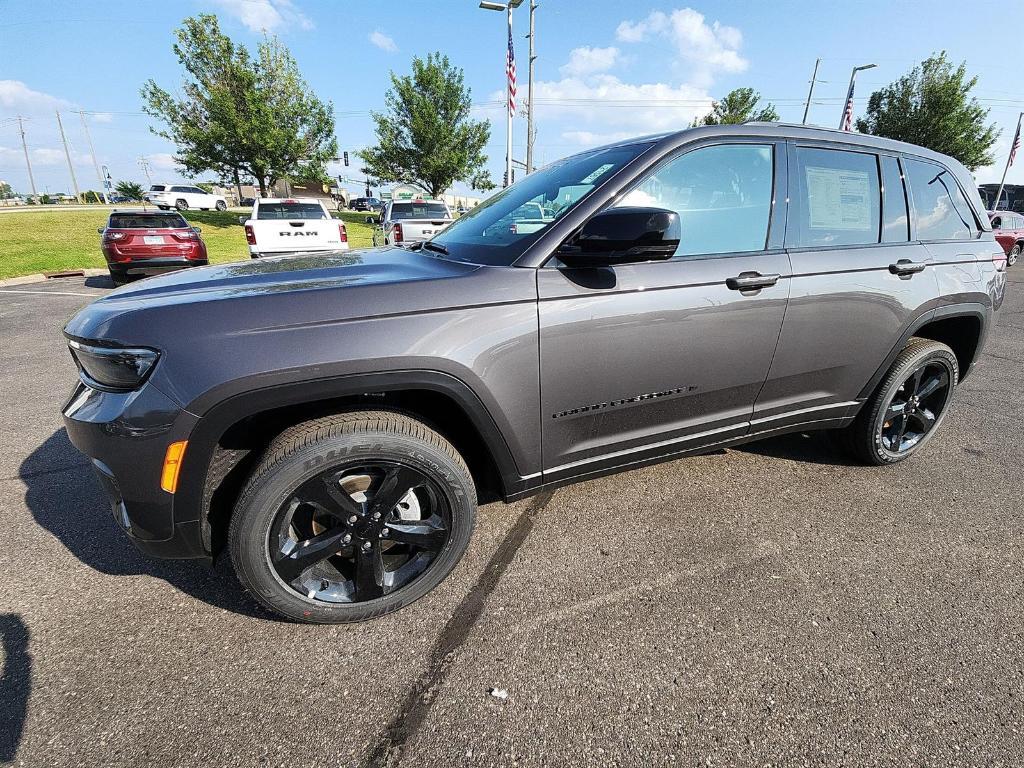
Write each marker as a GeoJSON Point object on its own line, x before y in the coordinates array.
{"type": "Point", "coordinates": [418, 211]}
{"type": "Point", "coordinates": [290, 211]}
{"type": "Point", "coordinates": [497, 231]}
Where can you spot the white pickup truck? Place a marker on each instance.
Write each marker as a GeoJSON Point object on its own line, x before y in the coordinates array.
{"type": "Point", "coordinates": [279, 226]}
{"type": "Point", "coordinates": [402, 222]}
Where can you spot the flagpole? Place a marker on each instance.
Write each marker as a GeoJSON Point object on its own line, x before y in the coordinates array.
{"type": "Point", "coordinates": [1002, 182]}
{"type": "Point", "coordinates": [508, 107]}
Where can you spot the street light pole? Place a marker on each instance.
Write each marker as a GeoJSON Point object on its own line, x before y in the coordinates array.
{"type": "Point", "coordinates": [529, 94]}
{"type": "Point", "coordinates": [810, 93]}
{"type": "Point", "coordinates": [849, 93]}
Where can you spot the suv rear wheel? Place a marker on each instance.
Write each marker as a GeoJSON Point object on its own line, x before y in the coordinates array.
{"type": "Point", "coordinates": [352, 516]}
{"type": "Point", "coordinates": [181, 205]}
{"type": "Point", "coordinates": [907, 407]}
{"type": "Point", "coordinates": [1013, 255]}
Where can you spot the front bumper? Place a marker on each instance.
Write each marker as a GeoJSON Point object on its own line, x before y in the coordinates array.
{"type": "Point", "coordinates": [125, 435]}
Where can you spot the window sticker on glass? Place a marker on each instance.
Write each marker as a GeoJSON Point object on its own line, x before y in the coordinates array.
{"type": "Point", "coordinates": [595, 174]}
{"type": "Point", "coordinates": [838, 199]}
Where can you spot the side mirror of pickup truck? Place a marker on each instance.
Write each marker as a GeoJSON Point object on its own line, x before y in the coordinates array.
{"type": "Point", "coordinates": [623, 236]}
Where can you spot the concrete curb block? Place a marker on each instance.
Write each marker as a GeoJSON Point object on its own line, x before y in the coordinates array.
{"type": "Point", "coordinates": [39, 278]}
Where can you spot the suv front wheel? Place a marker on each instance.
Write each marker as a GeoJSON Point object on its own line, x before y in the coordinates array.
{"type": "Point", "coordinates": [352, 516]}
{"type": "Point", "coordinates": [907, 407]}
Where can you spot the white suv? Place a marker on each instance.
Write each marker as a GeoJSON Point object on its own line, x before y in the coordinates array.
{"type": "Point", "coordinates": [183, 197]}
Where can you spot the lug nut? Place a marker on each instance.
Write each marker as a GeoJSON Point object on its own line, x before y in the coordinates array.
{"type": "Point", "coordinates": [346, 538]}
{"type": "Point", "coordinates": [376, 515]}
{"type": "Point", "coordinates": [384, 533]}
{"type": "Point", "coordinates": [367, 545]}
{"type": "Point", "coordinates": [353, 518]}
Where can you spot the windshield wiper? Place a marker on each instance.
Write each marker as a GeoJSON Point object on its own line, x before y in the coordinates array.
{"type": "Point", "coordinates": [430, 244]}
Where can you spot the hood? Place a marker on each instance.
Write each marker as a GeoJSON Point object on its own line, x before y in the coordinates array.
{"type": "Point", "coordinates": [270, 292]}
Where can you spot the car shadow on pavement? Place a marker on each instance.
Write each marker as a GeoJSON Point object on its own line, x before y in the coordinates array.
{"type": "Point", "coordinates": [65, 498]}
{"type": "Point", "coordinates": [99, 281]}
{"type": "Point", "coordinates": [15, 683]}
{"type": "Point", "coordinates": [816, 447]}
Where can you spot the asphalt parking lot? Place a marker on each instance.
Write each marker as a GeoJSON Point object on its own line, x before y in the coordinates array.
{"type": "Point", "coordinates": [770, 605]}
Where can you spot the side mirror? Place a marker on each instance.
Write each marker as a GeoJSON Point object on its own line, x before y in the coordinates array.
{"type": "Point", "coordinates": [623, 236]}
{"type": "Point", "coordinates": [99, 230]}
{"type": "Point", "coordinates": [242, 219]}
{"type": "Point", "coordinates": [197, 229]}
{"type": "Point", "coordinates": [371, 220]}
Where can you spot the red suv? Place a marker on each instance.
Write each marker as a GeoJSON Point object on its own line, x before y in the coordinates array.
{"type": "Point", "coordinates": [139, 243]}
{"type": "Point", "coordinates": [1008, 227]}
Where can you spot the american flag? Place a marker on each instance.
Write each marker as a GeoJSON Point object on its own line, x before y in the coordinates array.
{"type": "Point", "coordinates": [510, 70]}
{"type": "Point", "coordinates": [847, 124]}
{"type": "Point", "coordinates": [1016, 144]}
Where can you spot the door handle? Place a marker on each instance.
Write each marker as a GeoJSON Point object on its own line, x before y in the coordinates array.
{"type": "Point", "coordinates": [906, 267]}
{"type": "Point", "coordinates": [751, 281]}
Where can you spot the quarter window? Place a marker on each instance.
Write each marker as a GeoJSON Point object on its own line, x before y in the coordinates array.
{"type": "Point", "coordinates": [941, 212]}
{"type": "Point", "coordinates": [723, 195]}
{"type": "Point", "coordinates": [838, 198]}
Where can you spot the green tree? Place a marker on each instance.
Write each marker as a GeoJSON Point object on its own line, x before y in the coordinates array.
{"type": "Point", "coordinates": [6, 193]}
{"type": "Point", "coordinates": [738, 106]}
{"type": "Point", "coordinates": [931, 106]}
{"type": "Point", "coordinates": [426, 136]}
{"type": "Point", "coordinates": [241, 115]}
{"type": "Point", "coordinates": [130, 190]}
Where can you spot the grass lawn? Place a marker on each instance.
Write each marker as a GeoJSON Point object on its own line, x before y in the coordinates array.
{"type": "Point", "coordinates": [49, 241]}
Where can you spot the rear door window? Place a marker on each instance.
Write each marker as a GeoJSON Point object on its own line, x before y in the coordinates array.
{"type": "Point", "coordinates": [838, 198]}
{"type": "Point", "coordinates": [297, 211]}
{"type": "Point", "coordinates": [940, 210]}
{"type": "Point", "coordinates": [895, 221]}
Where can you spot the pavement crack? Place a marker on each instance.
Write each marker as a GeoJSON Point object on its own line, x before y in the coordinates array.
{"type": "Point", "coordinates": [409, 720]}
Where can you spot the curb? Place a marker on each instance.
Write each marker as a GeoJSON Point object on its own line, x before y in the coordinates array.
{"type": "Point", "coordinates": [40, 278]}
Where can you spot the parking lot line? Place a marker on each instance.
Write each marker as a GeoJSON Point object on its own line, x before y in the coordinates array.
{"type": "Point", "coordinates": [52, 293]}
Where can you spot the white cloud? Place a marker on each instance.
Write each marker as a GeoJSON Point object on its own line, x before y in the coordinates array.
{"type": "Point", "coordinates": [14, 94]}
{"type": "Point", "coordinates": [707, 48]}
{"type": "Point", "coordinates": [268, 15]}
{"type": "Point", "coordinates": [586, 61]}
{"type": "Point", "coordinates": [162, 161]}
{"type": "Point", "coordinates": [382, 41]}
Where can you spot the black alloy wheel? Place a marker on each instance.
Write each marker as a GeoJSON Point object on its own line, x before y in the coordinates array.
{"type": "Point", "coordinates": [908, 405]}
{"type": "Point", "coordinates": [360, 532]}
{"type": "Point", "coordinates": [915, 407]}
{"type": "Point", "coordinates": [351, 516]}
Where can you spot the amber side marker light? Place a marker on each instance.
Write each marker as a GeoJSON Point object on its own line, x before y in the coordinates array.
{"type": "Point", "coordinates": [172, 465]}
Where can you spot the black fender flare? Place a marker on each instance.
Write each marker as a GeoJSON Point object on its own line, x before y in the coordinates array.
{"type": "Point", "coordinates": [215, 421]}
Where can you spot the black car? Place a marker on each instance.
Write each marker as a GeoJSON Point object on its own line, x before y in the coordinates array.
{"type": "Point", "coordinates": [332, 419]}
{"type": "Point", "coordinates": [364, 204]}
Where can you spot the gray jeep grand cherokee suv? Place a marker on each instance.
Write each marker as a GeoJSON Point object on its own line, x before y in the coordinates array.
{"type": "Point", "coordinates": [332, 419]}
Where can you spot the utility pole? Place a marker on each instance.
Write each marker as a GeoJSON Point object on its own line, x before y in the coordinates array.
{"type": "Point", "coordinates": [28, 163]}
{"type": "Point", "coordinates": [144, 165]}
{"type": "Point", "coordinates": [529, 94]}
{"type": "Point", "coordinates": [810, 93]}
{"type": "Point", "coordinates": [67, 154]}
{"type": "Point", "coordinates": [1009, 162]}
{"type": "Point", "coordinates": [92, 151]}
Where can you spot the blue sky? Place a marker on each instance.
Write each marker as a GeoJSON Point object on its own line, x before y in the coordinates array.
{"type": "Point", "coordinates": [605, 69]}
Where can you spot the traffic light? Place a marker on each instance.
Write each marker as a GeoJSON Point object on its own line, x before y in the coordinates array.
{"type": "Point", "coordinates": [345, 156]}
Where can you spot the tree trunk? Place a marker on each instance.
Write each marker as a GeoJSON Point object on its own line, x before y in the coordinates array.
{"type": "Point", "coordinates": [238, 184]}
{"type": "Point", "coordinates": [263, 186]}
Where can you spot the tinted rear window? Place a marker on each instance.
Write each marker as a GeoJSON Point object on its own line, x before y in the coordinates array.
{"type": "Point", "coordinates": [157, 188]}
{"type": "Point", "coordinates": [418, 211]}
{"type": "Point", "coordinates": [146, 221]}
{"type": "Point", "coordinates": [290, 211]}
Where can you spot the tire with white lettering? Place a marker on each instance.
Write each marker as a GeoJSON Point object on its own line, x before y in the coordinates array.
{"type": "Point", "coordinates": [352, 516]}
